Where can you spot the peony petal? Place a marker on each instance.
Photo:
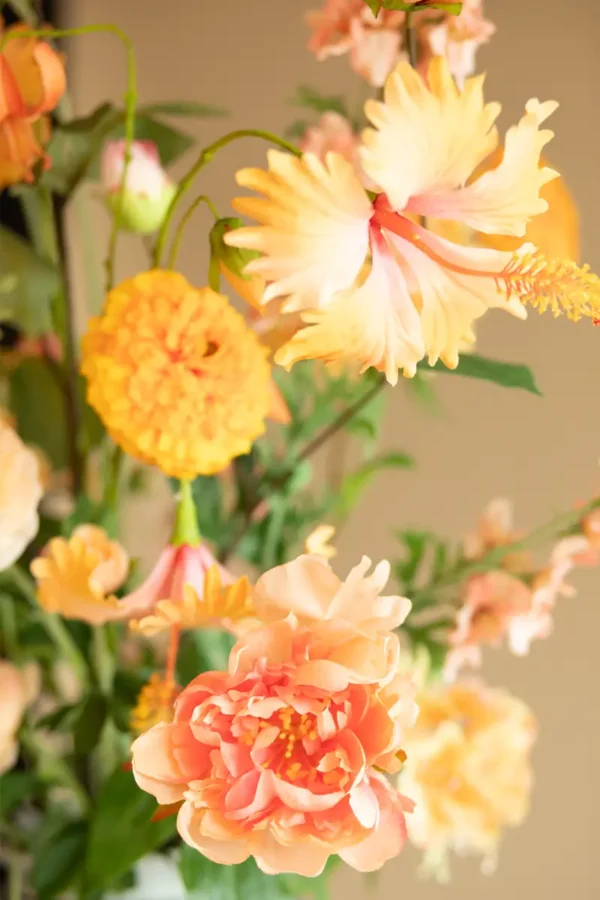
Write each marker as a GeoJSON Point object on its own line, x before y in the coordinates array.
{"type": "Point", "coordinates": [375, 324]}
{"type": "Point", "coordinates": [306, 858]}
{"type": "Point", "coordinates": [428, 137]}
{"type": "Point", "coordinates": [295, 797]}
{"type": "Point", "coordinates": [387, 838]}
{"type": "Point", "coordinates": [503, 200]}
{"type": "Point", "coordinates": [155, 768]}
{"type": "Point", "coordinates": [364, 805]}
{"type": "Point", "coordinates": [304, 587]}
{"type": "Point", "coordinates": [226, 853]}
{"type": "Point", "coordinates": [314, 227]}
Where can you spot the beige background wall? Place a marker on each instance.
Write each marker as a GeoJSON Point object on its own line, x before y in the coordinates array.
{"type": "Point", "coordinates": [249, 57]}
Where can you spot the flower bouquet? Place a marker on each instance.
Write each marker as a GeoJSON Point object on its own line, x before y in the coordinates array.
{"type": "Point", "coordinates": [239, 717]}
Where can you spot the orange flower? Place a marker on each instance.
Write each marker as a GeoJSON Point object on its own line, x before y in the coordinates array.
{"type": "Point", "coordinates": [75, 577]}
{"type": "Point", "coordinates": [176, 375]}
{"type": "Point", "coordinates": [280, 757]}
{"type": "Point", "coordinates": [32, 80]}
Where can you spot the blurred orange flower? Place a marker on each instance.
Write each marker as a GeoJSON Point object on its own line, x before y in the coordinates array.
{"type": "Point", "coordinates": [32, 80]}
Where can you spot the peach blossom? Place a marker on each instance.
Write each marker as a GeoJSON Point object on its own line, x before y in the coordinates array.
{"type": "Point", "coordinates": [276, 757]}
{"type": "Point", "coordinates": [18, 687]}
{"type": "Point", "coordinates": [469, 769]}
{"type": "Point", "coordinates": [349, 26]}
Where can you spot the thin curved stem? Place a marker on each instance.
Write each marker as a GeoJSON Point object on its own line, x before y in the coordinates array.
{"type": "Point", "coordinates": [182, 225]}
{"type": "Point", "coordinates": [411, 40]}
{"type": "Point", "coordinates": [130, 104]}
{"type": "Point", "coordinates": [204, 158]}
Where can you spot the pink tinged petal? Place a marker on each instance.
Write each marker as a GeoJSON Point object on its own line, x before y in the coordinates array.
{"type": "Point", "coordinates": [453, 301]}
{"type": "Point", "coordinates": [304, 586]}
{"type": "Point", "coordinates": [375, 732]}
{"type": "Point", "coordinates": [272, 643]}
{"type": "Point", "coordinates": [325, 674]}
{"type": "Point", "coordinates": [236, 757]}
{"type": "Point", "coordinates": [266, 736]}
{"type": "Point", "coordinates": [306, 858]}
{"type": "Point", "coordinates": [227, 852]}
{"type": "Point", "coordinates": [156, 587]}
{"type": "Point", "coordinates": [364, 805]}
{"type": "Point", "coordinates": [424, 141]}
{"type": "Point", "coordinates": [155, 768]}
{"type": "Point", "coordinates": [374, 51]}
{"type": "Point", "coordinates": [295, 797]}
{"type": "Point", "coordinates": [503, 200]}
{"type": "Point", "coordinates": [314, 227]}
{"type": "Point", "coordinates": [375, 325]}
{"type": "Point", "coordinates": [358, 598]}
{"type": "Point", "coordinates": [388, 837]}
{"type": "Point", "coordinates": [264, 707]}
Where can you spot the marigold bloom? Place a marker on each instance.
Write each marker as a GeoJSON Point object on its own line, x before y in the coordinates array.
{"type": "Point", "coordinates": [155, 704]}
{"type": "Point", "coordinates": [32, 80]}
{"type": "Point", "coordinates": [468, 769]}
{"type": "Point", "coordinates": [21, 490]}
{"type": "Point", "coordinates": [176, 375]}
{"type": "Point", "coordinates": [18, 688]}
{"type": "Point", "coordinates": [76, 577]}
{"type": "Point", "coordinates": [276, 757]}
{"type": "Point", "coordinates": [423, 292]}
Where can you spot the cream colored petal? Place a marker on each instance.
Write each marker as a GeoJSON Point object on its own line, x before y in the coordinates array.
{"type": "Point", "coordinates": [503, 200]}
{"type": "Point", "coordinates": [313, 230]}
{"type": "Point", "coordinates": [453, 301]}
{"type": "Point", "coordinates": [305, 587]}
{"type": "Point", "coordinates": [375, 324]}
{"type": "Point", "coordinates": [427, 137]}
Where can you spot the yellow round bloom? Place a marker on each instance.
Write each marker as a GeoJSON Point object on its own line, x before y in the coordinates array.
{"type": "Point", "coordinates": [176, 375]}
{"type": "Point", "coordinates": [76, 577]}
{"type": "Point", "coordinates": [154, 704]}
{"type": "Point", "coordinates": [468, 770]}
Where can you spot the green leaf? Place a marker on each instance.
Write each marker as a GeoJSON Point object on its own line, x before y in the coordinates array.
{"type": "Point", "coordinates": [89, 724]}
{"type": "Point", "coordinates": [58, 861]}
{"type": "Point", "coordinates": [510, 375]}
{"type": "Point", "coordinates": [183, 108]}
{"type": "Point", "coordinates": [16, 787]}
{"type": "Point", "coordinates": [121, 830]}
{"type": "Point", "coordinates": [206, 879]}
{"type": "Point", "coordinates": [234, 258]}
{"type": "Point", "coordinates": [415, 544]}
{"type": "Point", "coordinates": [309, 98]}
{"type": "Point", "coordinates": [36, 401]}
{"type": "Point", "coordinates": [74, 145]}
{"type": "Point", "coordinates": [29, 285]}
{"type": "Point", "coordinates": [202, 650]}
{"type": "Point", "coordinates": [355, 483]}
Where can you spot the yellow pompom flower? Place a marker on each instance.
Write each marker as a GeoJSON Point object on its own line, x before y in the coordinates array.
{"type": "Point", "coordinates": [154, 704]}
{"type": "Point", "coordinates": [176, 375]}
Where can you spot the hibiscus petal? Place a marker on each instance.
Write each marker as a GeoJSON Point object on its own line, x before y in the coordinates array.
{"type": "Point", "coordinates": [314, 227]}
{"type": "Point", "coordinates": [428, 136]}
{"type": "Point", "coordinates": [503, 200]}
{"type": "Point", "coordinates": [375, 324]}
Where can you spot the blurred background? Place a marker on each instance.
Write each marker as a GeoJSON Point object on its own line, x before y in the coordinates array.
{"type": "Point", "coordinates": [483, 442]}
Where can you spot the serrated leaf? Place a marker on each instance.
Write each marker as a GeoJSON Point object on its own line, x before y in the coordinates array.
{"type": "Point", "coordinates": [355, 483]}
{"type": "Point", "coordinates": [29, 285]}
{"type": "Point", "coordinates": [183, 108]}
{"type": "Point", "coordinates": [510, 375]}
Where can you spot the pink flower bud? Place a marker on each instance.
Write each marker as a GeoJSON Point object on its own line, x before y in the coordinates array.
{"type": "Point", "coordinates": [148, 189]}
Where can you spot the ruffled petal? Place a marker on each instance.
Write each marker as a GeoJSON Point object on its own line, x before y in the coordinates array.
{"type": "Point", "coordinates": [503, 200]}
{"type": "Point", "coordinates": [427, 136]}
{"type": "Point", "coordinates": [305, 586]}
{"type": "Point", "coordinates": [375, 324]}
{"type": "Point", "coordinates": [313, 230]}
{"type": "Point", "coordinates": [306, 858]}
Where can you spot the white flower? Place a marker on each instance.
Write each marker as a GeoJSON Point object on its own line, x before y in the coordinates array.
{"type": "Point", "coordinates": [20, 492]}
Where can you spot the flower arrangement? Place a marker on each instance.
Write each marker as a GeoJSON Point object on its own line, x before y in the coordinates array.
{"type": "Point", "coordinates": [243, 718]}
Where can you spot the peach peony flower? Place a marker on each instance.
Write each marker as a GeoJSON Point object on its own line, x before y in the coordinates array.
{"type": "Point", "coordinates": [32, 79]}
{"type": "Point", "coordinates": [148, 189]}
{"type": "Point", "coordinates": [458, 38]}
{"type": "Point", "coordinates": [334, 134]}
{"type": "Point", "coordinates": [76, 577]}
{"type": "Point", "coordinates": [318, 227]}
{"type": "Point", "coordinates": [18, 688]}
{"type": "Point", "coordinates": [21, 490]}
{"type": "Point", "coordinates": [468, 769]}
{"type": "Point", "coordinates": [279, 758]}
{"type": "Point", "coordinates": [349, 26]}
{"type": "Point", "coordinates": [176, 375]}
{"type": "Point", "coordinates": [188, 589]}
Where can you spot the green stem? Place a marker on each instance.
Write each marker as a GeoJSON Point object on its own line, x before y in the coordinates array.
{"type": "Point", "coordinates": [130, 104]}
{"type": "Point", "coordinates": [53, 624]}
{"type": "Point", "coordinates": [184, 221]}
{"type": "Point", "coordinates": [104, 663]}
{"type": "Point", "coordinates": [493, 558]}
{"type": "Point", "coordinates": [410, 38]}
{"type": "Point", "coordinates": [205, 157]}
{"type": "Point", "coordinates": [186, 529]}
{"type": "Point", "coordinates": [113, 482]}
{"type": "Point", "coordinates": [15, 877]}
